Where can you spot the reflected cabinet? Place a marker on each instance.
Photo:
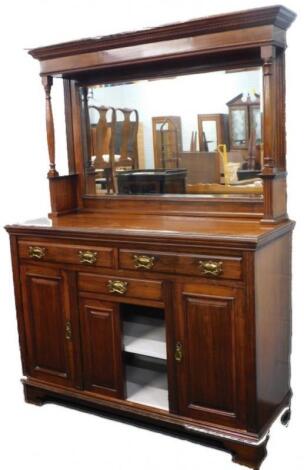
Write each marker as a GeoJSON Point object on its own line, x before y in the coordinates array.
{"type": "Point", "coordinates": [158, 289]}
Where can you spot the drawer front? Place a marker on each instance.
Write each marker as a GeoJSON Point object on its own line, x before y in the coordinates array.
{"type": "Point", "coordinates": [76, 254]}
{"type": "Point", "coordinates": [209, 266]}
{"type": "Point", "coordinates": [120, 286]}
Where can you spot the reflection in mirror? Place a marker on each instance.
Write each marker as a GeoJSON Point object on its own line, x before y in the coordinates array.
{"type": "Point", "coordinates": [190, 134]}
{"type": "Point", "coordinates": [210, 136]}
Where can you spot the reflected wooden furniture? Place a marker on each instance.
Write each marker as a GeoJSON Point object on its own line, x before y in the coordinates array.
{"type": "Point", "coordinates": [220, 123]}
{"type": "Point", "coordinates": [167, 141]}
{"type": "Point", "coordinates": [215, 188]}
{"type": "Point", "coordinates": [114, 143]}
{"type": "Point", "coordinates": [244, 116]}
{"type": "Point", "coordinates": [213, 271]}
{"type": "Point", "coordinates": [202, 167]}
{"type": "Point", "coordinates": [159, 181]}
{"type": "Point", "coordinates": [102, 143]}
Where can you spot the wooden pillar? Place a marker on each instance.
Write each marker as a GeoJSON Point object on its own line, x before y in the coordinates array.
{"type": "Point", "coordinates": [273, 173]}
{"type": "Point", "coordinates": [90, 186]}
{"type": "Point", "coordinates": [268, 56]}
{"type": "Point", "coordinates": [47, 82]}
{"type": "Point", "coordinates": [86, 129]}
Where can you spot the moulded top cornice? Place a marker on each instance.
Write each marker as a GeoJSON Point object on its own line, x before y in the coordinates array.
{"type": "Point", "coordinates": [276, 15]}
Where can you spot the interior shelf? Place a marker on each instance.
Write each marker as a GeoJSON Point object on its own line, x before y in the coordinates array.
{"type": "Point", "coordinates": [145, 336]}
{"type": "Point", "coordinates": [147, 387]}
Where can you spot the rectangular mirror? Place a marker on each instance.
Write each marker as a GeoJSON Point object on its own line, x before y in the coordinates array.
{"type": "Point", "coordinates": [190, 134]}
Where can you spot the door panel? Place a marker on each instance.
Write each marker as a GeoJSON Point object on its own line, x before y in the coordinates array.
{"type": "Point", "coordinates": [101, 344]}
{"type": "Point", "coordinates": [212, 370]}
{"type": "Point", "coordinates": [212, 385]}
{"type": "Point", "coordinates": [46, 313]}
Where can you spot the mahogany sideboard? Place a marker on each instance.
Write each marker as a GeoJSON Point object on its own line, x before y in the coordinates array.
{"type": "Point", "coordinates": [173, 311]}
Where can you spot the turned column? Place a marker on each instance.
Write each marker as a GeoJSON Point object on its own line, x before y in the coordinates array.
{"type": "Point", "coordinates": [268, 56]}
{"type": "Point", "coordinates": [47, 82]}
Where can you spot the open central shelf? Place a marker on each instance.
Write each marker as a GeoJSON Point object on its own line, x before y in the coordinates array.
{"type": "Point", "coordinates": [145, 355]}
{"type": "Point", "coordinates": [147, 387]}
{"type": "Point", "coordinates": [146, 337]}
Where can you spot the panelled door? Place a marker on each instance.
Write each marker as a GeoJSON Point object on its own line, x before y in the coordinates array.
{"type": "Point", "coordinates": [101, 347]}
{"type": "Point", "coordinates": [48, 325]}
{"type": "Point", "coordinates": [210, 353]}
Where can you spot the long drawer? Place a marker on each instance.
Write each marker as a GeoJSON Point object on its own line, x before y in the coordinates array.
{"type": "Point", "coordinates": [181, 263]}
{"type": "Point", "coordinates": [120, 286]}
{"type": "Point", "coordinates": [67, 253]}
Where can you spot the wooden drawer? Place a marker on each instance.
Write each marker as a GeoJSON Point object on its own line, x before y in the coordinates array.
{"type": "Point", "coordinates": [64, 253]}
{"type": "Point", "coordinates": [120, 286]}
{"type": "Point", "coordinates": [189, 264]}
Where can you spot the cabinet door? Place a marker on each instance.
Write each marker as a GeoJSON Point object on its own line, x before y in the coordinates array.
{"type": "Point", "coordinates": [210, 354]}
{"type": "Point", "coordinates": [101, 347]}
{"type": "Point", "coordinates": [48, 326]}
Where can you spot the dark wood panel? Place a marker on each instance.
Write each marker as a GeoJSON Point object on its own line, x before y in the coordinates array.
{"type": "Point", "coordinates": [212, 369]}
{"type": "Point", "coordinates": [46, 313]}
{"type": "Point", "coordinates": [63, 191]}
{"type": "Point", "coordinates": [102, 349]}
{"type": "Point", "coordinates": [211, 344]}
{"type": "Point", "coordinates": [273, 326]}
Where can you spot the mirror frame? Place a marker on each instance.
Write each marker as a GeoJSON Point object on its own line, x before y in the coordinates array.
{"type": "Point", "coordinates": [234, 40]}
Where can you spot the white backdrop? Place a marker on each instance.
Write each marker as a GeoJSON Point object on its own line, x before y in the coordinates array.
{"type": "Point", "coordinates": [57, 437]}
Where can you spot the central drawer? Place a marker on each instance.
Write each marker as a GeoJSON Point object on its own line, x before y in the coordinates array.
{"type": "Point", "coordinates": [120, 286]}
{"type": "Point", "coordinates": [182, 263]}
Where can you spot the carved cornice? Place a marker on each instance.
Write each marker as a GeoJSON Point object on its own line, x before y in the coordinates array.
{"type": "Point", "coordinates": [275, 15]}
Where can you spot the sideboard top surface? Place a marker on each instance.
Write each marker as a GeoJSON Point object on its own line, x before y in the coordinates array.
{"type": "Point", "coordinates": [230, 231]}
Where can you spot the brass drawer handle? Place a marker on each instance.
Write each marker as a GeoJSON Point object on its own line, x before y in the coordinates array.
{"type": "Point", "coordinates": [117, 287]}
{"type": "Point", "coordinates": [68, 330]}
{"type": "Point", "coordinates": [143, 261]}
{"type": "Point", "coordinates": [211, 268]}
{"type": "Point", "coordinates": [87, 257]}
{"type": "Point", "coordinates": [178, 352]}
{"type": "Point", "coordinates": [36, 252]}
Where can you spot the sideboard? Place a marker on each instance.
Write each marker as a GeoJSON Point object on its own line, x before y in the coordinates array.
{"type": "Point", "coordinates": [168, 310]}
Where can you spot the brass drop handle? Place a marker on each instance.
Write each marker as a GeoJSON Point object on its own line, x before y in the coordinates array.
{"type": "Point", "coordinates": [87, 257]}
{"type": "Point", "coordinates": [36, 252]}
{"type": "Point", "coordinates": [117, 287]}
{"type": "Point", "coordinates": [68, 330]}
{"type": "Point", "coordinates": [143, 261]}
{"type": "Point", "coordinates": [211, 268]}
{"type": "Point", "coordinates": [178, 351]}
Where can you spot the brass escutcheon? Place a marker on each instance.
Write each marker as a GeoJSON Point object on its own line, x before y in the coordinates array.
{"type": "Point", "coordinates": [211, 268]}
{"type": "Point", "coordinates": [36, 252]}
{"type": "Point", "coordinates": [68, 330]}
{"type": "Point", "coordinates": [117, 287]}
{"type": "Point", "coordinates": [178, 352]}
{"type": "Point", "coordinates": [87, 257]}
{"type": "Point", "coordinates": [143, 261]}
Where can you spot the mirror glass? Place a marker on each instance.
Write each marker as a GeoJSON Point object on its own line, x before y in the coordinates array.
{"type": "Point", "coordinates": [189, 134]}
{"type": "Point", "coordinates": [239, 135]}
{"type": "Point", "coordinates": [209, 135]}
